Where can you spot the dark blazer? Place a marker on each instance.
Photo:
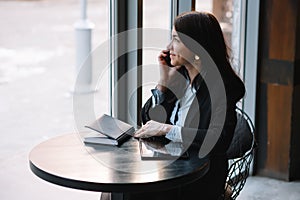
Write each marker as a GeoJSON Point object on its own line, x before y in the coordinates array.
{"type": "Point", "coordinates": [198, 123]}
{"type": "Point", "coordinates": [200, 117]}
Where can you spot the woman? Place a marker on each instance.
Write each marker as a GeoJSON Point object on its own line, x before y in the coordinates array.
{"type": "Point", "coordinates": [193, 103]}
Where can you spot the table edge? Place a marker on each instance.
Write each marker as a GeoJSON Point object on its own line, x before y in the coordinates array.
{"type": "Point", "coordinates": [124, 187]}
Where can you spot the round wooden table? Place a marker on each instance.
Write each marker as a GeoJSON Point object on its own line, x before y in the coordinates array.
{"type": "Point", "coordinates": [67, 161]}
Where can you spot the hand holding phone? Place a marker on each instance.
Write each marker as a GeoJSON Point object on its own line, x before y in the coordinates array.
{"type": "Point", "coordinates": [168, 59]}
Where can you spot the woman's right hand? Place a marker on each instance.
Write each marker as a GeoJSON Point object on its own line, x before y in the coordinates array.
{"type": "Point", "coordinates": [167, 73]}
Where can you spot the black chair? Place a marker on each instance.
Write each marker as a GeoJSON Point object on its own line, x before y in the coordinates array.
{"type": "Point", "coordinates": [240, 155]}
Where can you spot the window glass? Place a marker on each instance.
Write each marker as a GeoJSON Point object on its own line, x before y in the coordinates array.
{"type": "Point", "coordinates": [223, 12]}
{"type": "Point", "coordinates": [100, 40]}
{"type": "Point", "coordinates": [92, 82]}
{"type": "Point", "coordinates": [231, 17]}
{"type": "Point", "coordinates": [156, 14]}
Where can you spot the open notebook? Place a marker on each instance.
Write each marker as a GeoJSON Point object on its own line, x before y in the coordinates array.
{"type": "Point", "coordinates": [112, 131]}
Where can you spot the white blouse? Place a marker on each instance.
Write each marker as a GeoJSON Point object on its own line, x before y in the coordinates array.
{"type": "Point", "coordinates": [181, 108]}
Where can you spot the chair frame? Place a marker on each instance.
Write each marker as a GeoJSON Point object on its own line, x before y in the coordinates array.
{"type": "Point", "coordinates": [238, 170]}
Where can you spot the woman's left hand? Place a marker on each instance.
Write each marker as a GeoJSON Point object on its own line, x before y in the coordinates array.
{"type": "Point", "coordinates": [153, 128]}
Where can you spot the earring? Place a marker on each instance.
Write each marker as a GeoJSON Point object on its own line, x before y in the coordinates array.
{"type": "Point", "coordinates": [197, 60]}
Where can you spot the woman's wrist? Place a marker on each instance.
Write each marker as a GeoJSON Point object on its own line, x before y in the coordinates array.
{"type": "Point", "coordinates": [165, 128]}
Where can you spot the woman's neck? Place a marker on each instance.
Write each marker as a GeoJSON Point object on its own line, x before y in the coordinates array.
{"type": "Point", "coordinates": [192, 72]}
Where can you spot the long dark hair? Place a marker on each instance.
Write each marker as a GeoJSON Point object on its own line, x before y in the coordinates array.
{"type": "Point", "coordinates": [205, 29]}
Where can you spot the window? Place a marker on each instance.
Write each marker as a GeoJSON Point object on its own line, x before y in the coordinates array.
{"type": "Point", "coordinates": [156, 16]}
{"type": "Point", "coordinates": [231, 15]}
{"type": "Point", "coordinates": [159, 14]}
{"type": "Point", "coordinates": [91, 89]}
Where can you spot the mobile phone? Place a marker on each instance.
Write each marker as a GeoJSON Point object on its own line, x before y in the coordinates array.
{"type": "Point", "coordinates": [168, 59]}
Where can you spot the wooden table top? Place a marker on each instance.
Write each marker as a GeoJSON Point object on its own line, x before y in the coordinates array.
{"type": "Point", "coordinates": [65, 160]}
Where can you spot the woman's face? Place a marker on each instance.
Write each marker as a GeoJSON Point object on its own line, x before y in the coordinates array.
{"type": "Point", "coordinates": [179, 53]}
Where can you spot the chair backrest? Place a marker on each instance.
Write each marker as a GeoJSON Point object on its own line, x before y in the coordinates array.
{"type": "Point", "coordinates": [240, 155]}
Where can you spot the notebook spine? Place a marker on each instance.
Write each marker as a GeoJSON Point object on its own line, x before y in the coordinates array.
{"type": "Point", "coordinates": [125, 136]}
